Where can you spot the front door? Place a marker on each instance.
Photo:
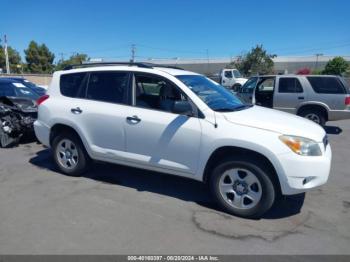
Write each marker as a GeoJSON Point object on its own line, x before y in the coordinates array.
{"type": "Point", "coordinates": [264, 92]}
{"type": "Point", "coordinates": [157, 137]}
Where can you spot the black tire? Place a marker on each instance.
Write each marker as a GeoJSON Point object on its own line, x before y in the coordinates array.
{"type": "Point", "coordinates": [268, 191]}
{"type": "Point", "coordinates": [317, 113]}
{"type": "Point", "coordinates": [83, 161]}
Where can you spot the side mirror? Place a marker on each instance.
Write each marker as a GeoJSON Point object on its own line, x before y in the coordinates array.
{"type": "Point", "coordinates": [182, 108]}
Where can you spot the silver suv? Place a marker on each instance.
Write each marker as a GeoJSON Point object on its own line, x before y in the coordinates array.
{"type": "Point", "coordinates": [320, 98]}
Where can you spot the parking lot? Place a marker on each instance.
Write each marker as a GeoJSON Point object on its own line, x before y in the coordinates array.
{"type": "Point", "coordinates": [120, 210]}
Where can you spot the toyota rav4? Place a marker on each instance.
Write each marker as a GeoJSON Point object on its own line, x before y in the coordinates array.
{"type": "Point", "coordinates": [181, 123]}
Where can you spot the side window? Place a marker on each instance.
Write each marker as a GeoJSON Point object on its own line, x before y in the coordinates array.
{"type": "Point", "coordinates": [72, 85]}
{"type": "Point", "coordinates": [266, 85]}
{"type": "Point", "coordinates": [228, 74]}
{"type": "Point", "coordinates": [156, 93]}
{"type": "Point", "coordinates": [289, 85]}
{"type": "Point", "coordinates": [7, 90]}
{"type": "Point", "coordinates": [326, 85]}
{"type": "Point", "coordinates": [109, 87]}
{"type": "Point", "coordinates": [249, 86]}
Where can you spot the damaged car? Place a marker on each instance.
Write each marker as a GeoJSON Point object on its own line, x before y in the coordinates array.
{"type": "Point", "coordinates": [18, 111]}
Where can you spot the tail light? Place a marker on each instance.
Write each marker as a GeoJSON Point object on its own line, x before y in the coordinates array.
{"type": "Point", "coordinates": [42, 99]}
{"type": "Point", "coordinates": [347, 101]}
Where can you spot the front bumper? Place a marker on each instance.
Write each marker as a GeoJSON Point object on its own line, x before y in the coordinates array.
{"type": "Point", "coordinates": [302, 173]}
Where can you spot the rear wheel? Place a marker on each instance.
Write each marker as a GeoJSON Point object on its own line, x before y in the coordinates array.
{"type": "Point", "coordinates": [315, 115]}
{"type": "Point", "coordinates": [242, 188]}
{"type": "Point", "coordinates": [70, 155]}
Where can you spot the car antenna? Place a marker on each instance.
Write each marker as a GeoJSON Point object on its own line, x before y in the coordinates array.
{"type": "Point", "coordinates": [215, 123]}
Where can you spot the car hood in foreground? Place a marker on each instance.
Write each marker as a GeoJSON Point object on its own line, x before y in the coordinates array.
{"type": "Point", "coordinates": [276, 121]}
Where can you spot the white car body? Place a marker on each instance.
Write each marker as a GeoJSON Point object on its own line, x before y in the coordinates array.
{"type": "Point", "coordinates": [182, 145]}
{"type": "Point", "coordinates": [231, 78]}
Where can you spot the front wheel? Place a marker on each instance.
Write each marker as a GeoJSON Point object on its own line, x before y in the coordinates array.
{"type": "Point", "coordinates": [242, 188]}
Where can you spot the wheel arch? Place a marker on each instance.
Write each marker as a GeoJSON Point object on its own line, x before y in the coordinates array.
{"type": "Point", "coordinates": [314, 105]}
{"type": "Point", "coordinates": [223, 152]}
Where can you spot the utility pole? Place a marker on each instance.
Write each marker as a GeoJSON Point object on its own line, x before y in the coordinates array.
{"type": "Point", "coordinates": [6, 56]}
{"type": "Point", "coordinates": [317, 55]}
{"type": "Point", "coordinates": [133, 51]}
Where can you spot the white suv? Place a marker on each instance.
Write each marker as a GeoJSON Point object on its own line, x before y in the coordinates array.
{"type": "Point", "coordinates": [181, 123]}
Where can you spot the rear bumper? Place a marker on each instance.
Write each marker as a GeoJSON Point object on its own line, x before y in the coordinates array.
{"type": "Point", "coordinates": [302, 173]}
{"type": "Point", "coordinates": [338, 115]}
{"type": "Point", "coordinates": [42, 132]}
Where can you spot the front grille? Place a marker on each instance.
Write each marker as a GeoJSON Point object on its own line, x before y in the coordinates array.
{"type": "Point", "coordinates": [325, 141]}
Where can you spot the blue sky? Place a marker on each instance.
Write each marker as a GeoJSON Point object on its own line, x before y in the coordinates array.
{"type": "Point", "coordinates": [178, 28]}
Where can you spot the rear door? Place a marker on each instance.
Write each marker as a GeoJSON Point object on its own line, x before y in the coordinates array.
{"type": "Point", "coordinates": [97, 103]}
{"type": "Point", "coordinates": [289, 94]}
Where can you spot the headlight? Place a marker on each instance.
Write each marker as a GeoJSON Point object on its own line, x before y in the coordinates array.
{"type": "Point", "coordinates": [301, 145]}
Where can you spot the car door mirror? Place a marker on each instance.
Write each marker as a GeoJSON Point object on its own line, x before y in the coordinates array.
{"type": "Point", "coordinates": [182, 108]}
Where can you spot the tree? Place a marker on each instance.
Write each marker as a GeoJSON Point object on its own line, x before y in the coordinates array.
{"type": "Point", "coordinates": [336, 66]}
{"type": "Point", "coordinates": [74, 59]}
{"type": "Point", "coordinates": [257, 61]}
{"type": "Point", "coordinates": [39, 58]}
{"type": "Point", "coordinates": [304, 71]}
{"type": "Point", "coordinates": [14, 60]}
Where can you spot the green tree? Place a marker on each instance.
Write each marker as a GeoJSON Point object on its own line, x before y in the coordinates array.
{"type": "Point", "coordinates": [14, 60]}
{"type": "Point", "coordinates": [257, 61]}
{"type": "Point", "coordinates": [74, 59]}
{"type": "Point", "coordinates": [336, 66]}
{"type": "Point", "coordinates": [39, 58]}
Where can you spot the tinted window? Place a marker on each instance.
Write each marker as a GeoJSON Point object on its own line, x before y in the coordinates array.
{"type": "Point", "coordinates": [289, 85]}
{"type": "Point", "coordinates": [7, 90]}
{"type": "Point", "coordinates": [326, 85]}
{"type": "Point", "coordinates": [108, 87]}
{"type": "Point", "coordinates": [228, 74]}
{"type": "Point", "coordinates": [249, 86]}
{"type": "Point", "coordinates": [72, 84]}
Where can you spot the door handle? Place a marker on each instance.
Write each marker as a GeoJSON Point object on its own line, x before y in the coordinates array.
{"type": "Point", "coordinates": [301, 97]}
{"type": "Point", "coordinates": [133, 119]}
{"type": "Point", "coordinates": [76, 110]}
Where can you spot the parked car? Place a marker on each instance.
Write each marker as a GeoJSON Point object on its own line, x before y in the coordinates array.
{"type": "Point", "coordinates": [232, 79]}
{"type": "Point", "coordinates": [37, 89]}
{"type": "Point", "coordinates": [320, 98]}
{"type": "Point", "coordinates": [181, 123]}
{"type": "Point", "coordinates": [18, 111]}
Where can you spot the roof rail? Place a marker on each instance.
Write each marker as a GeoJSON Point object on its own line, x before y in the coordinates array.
{"type": "Point", "coordinates": [138, 64]}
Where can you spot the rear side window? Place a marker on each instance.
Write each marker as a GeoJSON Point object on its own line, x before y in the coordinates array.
{"type": "Point", "coordinates": [72, 85]}
{"type": "Point", "coordinates": [289, 85]}
{"type": "Point", "coordinates": [326, 85]}
{"type": "Point", "coordinates": [108, 87]}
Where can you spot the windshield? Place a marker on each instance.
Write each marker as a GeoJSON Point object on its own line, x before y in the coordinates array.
{"type": "Point", "coordinates": [214, 95]}
{"type": "Point", "coordinates": [23, 91]}
{"type": "Point", "coordinates": [236, 73]}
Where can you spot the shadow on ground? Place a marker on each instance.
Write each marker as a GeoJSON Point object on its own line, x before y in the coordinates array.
{"type": "Point", "coordinates": [333, 130]}
{"type": "Point", "coordinates": [173, 186]}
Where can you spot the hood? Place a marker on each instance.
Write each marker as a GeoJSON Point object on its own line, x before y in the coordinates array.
{"type": "Point", "coordinates": [22, 104]}
{"type": "Point", "coordinates": [276, 121]}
